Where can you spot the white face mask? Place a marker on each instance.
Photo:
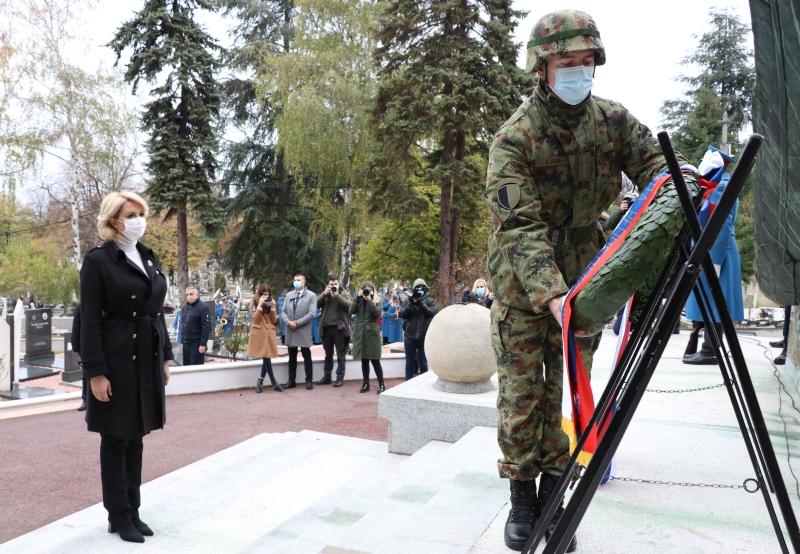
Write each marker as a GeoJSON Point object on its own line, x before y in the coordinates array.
{"type": "Point", "coordinates": [134, 228]}
{"type": "Point", "coordinates": [573, 84]}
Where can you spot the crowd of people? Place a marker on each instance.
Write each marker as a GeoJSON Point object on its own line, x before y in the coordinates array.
{"type": "Point", "coordinates": [343, 320]}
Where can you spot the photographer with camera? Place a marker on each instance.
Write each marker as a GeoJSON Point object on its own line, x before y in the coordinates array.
{"type": "Point", "coordinates": [367, 334]}
{"type": "Point", "coordinates": [263, 341]}
{"type": "Point", "coordinates": [418, 312]}
{"type": "Point", "coordinates": [335, 324]}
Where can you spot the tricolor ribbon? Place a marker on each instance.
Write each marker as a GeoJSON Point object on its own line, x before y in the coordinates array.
{"type": "Point", "coordinates": [578, 399]}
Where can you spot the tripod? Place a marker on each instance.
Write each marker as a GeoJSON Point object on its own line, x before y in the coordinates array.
{"type": "Point", "coordinates": [648, 341]}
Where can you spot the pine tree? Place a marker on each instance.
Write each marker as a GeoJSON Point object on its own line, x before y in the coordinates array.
{"type": "Point", "coordinates": [448, 79]}
{"type": "Point", "coordinates": [725, 83]}
{"type": "Point", "coordinates": [172, 52]}
{"type": "Point", "coordinates": [254, 167]}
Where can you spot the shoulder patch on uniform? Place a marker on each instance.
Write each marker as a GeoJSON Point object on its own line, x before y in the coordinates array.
{"type": "Point", "coordinates": [508, 193]}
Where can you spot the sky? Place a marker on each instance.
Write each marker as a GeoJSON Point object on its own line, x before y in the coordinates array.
{"type": "Point", "coordinates": [645, 42]}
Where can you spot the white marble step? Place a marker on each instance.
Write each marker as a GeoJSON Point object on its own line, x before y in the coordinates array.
{"type": "Point", "coordinates": [443, 508]}
{"type": "Point", "coordinates": [312, 530]}
{"type": "Point", "coordinates": [223, 503]}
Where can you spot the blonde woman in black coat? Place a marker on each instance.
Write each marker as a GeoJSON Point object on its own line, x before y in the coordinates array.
{"type": "Point", "coordinates": [125, 352]}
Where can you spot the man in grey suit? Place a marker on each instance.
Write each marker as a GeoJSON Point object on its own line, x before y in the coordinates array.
{"type": "Point", "coordinates": [299, 310]}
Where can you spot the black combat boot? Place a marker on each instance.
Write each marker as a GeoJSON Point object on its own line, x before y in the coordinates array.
{"type": "Point", "coordinates": [780, 359]}
{"type": "Point", "coordinates": [547, 485]}
{"type": "Point", "coordinates": [523, 514]}
{"type": "Point", "coordinates": [260, 384]}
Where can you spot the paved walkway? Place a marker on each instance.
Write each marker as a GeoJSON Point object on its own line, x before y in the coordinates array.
{"type": "Point", "coordinates": [50, 463]}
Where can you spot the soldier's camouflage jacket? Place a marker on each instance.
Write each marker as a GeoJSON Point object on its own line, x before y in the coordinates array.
{"type": "Point", "coordinates": [556, 166]}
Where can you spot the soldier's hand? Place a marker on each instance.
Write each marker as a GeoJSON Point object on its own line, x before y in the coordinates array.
{"type": "Point", "coordinates": [555, 308]}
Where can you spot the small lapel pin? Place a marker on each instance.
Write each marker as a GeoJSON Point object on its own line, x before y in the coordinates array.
{"type": "Point", "coordinates": [150, 263]}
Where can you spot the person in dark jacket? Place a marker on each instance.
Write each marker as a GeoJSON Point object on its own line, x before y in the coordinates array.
{"type": "Point", "coordinates": [417, 312]}
{"type": "Point", "coordinates": [75, 341]}
{"type": "Point", "coordinates": [367, 345]}
{"type": "Point", "coordinates": [335, 327]}
{"type": "Point", "coordinates": [195, 328]}
{"type": "Point", "coordinates": [125, 350]}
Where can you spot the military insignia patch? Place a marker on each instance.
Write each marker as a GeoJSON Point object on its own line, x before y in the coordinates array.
{"type": "Point", "coordinates": [508, 194]}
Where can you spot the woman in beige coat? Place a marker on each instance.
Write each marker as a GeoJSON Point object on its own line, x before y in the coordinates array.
{"type": "Point", "coordinates": [263, 341]}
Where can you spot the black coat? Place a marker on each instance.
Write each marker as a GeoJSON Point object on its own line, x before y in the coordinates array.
{"type": "Point", "coordinates": [195, 323]}
{"type": "Point", "coordinates": [124, 337]}
{"type": "Point", "coordinates": [76, 330]}
{"type": "Point", "coordinates": [418, 314]}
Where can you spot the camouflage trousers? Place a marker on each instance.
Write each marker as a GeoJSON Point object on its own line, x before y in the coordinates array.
{"type": "Point", "coordinates": [530, 373]}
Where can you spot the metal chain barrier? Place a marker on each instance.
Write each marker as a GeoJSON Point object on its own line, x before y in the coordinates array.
{"type": "Point", "coordinates": [687, 390]}
{"type": "Point", "coordinates": [749, 485]}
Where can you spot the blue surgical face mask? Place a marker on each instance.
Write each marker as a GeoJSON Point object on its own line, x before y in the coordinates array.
{"type": "Point", "coordinates": [481, 292]}
{"type": "Point", "coordinates": [298, 284]}
{"type": "Point", "coordinates": [573, 84]}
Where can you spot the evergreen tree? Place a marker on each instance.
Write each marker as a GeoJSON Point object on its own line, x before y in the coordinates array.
{"type": "Point", "coordinates": [325, 87]}
{"type": "Point", "coordinates": [172, 52]}
{"type": "Point", "coordinates": [725, 83]}
{"type": "Point", "coordinates": [254, 169]}
{"type": "Point", "coordinates": [448, 80]}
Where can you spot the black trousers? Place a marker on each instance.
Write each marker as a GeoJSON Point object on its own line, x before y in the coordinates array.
{"type": "Point", "coordinates": [306, 362]}
{"type": "Point", "coordinates": [787, 310]}
{"type": "Point", "coordinates": [707, 348]}
{"type": "Point", "coordinates": [121, 476]}
{"type": "Point", "coordinates": [333, 337]}
{"type": "Point", "coordinates": [376, 365]}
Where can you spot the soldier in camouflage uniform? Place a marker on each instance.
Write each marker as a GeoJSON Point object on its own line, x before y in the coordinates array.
{"type": "Point", "coordinates": [553, 168]}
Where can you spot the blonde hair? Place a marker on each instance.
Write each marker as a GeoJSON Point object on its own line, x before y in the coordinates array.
{"type": "Point", "coordinates": [475, 285]}
{"type": "Point", "coordinates": [109, 209]}
{"type": "Point", "coordinates": [369, 284]}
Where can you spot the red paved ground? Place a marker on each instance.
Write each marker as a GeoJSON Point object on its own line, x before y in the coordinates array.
{"type": "Point", "coordinates": [50, 464]}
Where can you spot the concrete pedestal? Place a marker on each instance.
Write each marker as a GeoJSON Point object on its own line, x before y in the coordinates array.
{"type": "Point", "coordinates": [418, 413]}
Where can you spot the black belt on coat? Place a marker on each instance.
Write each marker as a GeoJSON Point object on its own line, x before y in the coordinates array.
{"type": "Point", "coordinates": [145, 323]}
{"type": "Point", "coordinates": [576, 235]}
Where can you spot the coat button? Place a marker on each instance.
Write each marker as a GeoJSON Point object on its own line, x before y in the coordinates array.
{"type": "Point", "coordinates": [134, 335]}
{"type": "Point", "coordinates": [134, 357]}
{"type": "Point", "coordinates": [159, 313]}
{"type": "Point", "coordinates": [134, 296]}
{"type": "Point", "coordinates": [134, 314]}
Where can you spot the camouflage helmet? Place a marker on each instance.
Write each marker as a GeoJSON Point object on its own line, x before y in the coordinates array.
{"type": "Point", "coordinates": [561, 33]}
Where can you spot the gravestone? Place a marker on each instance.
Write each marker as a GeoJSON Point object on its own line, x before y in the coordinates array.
{"type": "Point", "coordinates": [72, 369]}
{"type": "Point", "coordinates": [6, 358]}
{"type": "Point", "coordinates": [38, 335]}
{"type": "Point", "coordinates": [16, 340]}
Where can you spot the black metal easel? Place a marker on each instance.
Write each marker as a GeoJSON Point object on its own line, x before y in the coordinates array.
{"type": "Point", "coordinates": [648, 341]}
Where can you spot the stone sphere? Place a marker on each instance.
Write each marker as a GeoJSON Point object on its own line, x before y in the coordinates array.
{"type": "Point", "coordinates": [458, 344]}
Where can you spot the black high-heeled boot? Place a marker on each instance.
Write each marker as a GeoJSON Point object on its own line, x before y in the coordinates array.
{"type": "Point", "coordinates": [128, 534]}
{"type": "Point", "coordinates": [379, 373]}
{"type": "Point", "coordinates": [365, 374]}
{"type": "Point", "coordinates": [142, 527]}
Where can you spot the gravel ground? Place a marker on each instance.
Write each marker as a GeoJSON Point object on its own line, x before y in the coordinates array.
{"type": "Point", "coordinates": [50, 463]}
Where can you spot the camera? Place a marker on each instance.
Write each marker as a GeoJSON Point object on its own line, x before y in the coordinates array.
{"type": "Point", "coordinates": [334, 288]}
{"type": "Point", "coordinates": [367, 293]}
{"type": "Point", "coordinates": [419, 293]}
{"type": "Point", "coordinates": [268, 304]}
